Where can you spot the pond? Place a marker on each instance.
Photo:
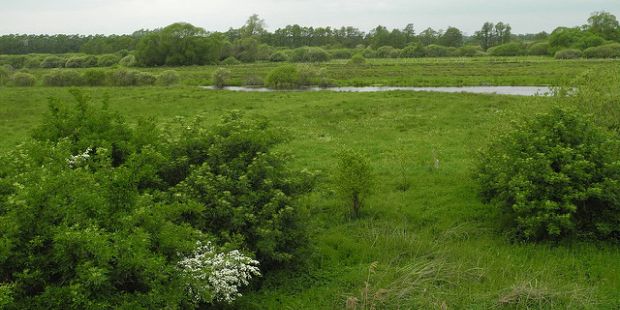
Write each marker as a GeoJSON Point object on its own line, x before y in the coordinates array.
{"type": "Point", "coordinates": [499, 90]}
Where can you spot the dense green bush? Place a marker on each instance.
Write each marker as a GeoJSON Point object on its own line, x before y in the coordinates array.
{"type": "Point", "coordinates": [61, 78]}
{"type": "Point", "coordinates": [168, 78]}
{"type": "Point", "coordinates": [341, 53]}
{"type": "Point", "coordinates": [278, 56]}
{"type": "Point", "coordinates": [283, 77]}
{"type": "Point", "coordinates": [508, 49]}
{"type": "Point", "coordinates": [5, 75]}
{"type": "Point", "coordinates": [108, 60]}
{"type": "Point", "coordinates": [94, 77]}
{"type": "Point", "coordinates": [309, 54]}
{"type": "Point", "coordinates": [353, 179]}
{"type": "Point", "coordinates": [470, 51]}
{"type": "Point", "coordinates": [15, 61]}
{"type": "Point", "coordinates": [33, 62]}
{"type": "Point", "coordinates": [604, 51]}
{"type": "Point", "coordinates": [357, 59]}
{"type": "Point", "coordinates": [539, 49]}
{"type": "Point", "coordinates": [75, 62]}
{"type": "Point", "coordinates": [413, 51]}
{"type": "Point", "coordinates": [385, 52]}
{"type": "Point", "coordinates": [22, 79]}
{"type": "Point", "coordinates": [95, 213]}
{"type": "Point", "coordinates": [128, 61]}
{"type": "Point", "coordinates": [230, 61]}
{"type": "Point", "coordinates": [52, 62]}
{"type": "Point", "coordinates": [145, 79]}
{"type": "Point", "coordinates": [221, 77]}
{"type": "Point", "coordinates": [568, 54]}
{"type": "Point", "coordinates": [554, 176]}
{"type": "Point", "coordinates": [434, 50]}
{"type": "Point", "coordinates": [122, 77]}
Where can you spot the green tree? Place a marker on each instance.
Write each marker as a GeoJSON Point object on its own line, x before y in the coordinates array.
{"type": "Point", "coordinates": [353, 178]}
{"type": "Point", "coordinates": [605, 25]}
{"type": "Point", "coordinates": [453, 37]}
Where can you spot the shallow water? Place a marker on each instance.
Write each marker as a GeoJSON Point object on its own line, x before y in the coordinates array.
{"type": "Point", "coordinates": [499, 90]}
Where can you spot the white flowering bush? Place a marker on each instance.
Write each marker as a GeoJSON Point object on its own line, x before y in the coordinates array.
{"type": "Point", "coordinates": [216, 276]}
{"type": "Point", "coordinates": [78, 160]}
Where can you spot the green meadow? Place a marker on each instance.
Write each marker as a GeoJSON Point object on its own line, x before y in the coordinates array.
{"type": "Point", "coordinates": [431, 244]}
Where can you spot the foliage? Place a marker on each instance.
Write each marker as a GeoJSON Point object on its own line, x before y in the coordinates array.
{"type": "Point", "coordinates": [94, 77]}
{"type": "Point", "coordinates": [452, 37]}
{"type": "Point", "coordinates": [221, 77]}
{"type": "Point", "coordinates": [123, 77]}
{"type": "Point", "coordinates": [604, 51]}
{"type": "Point", "coordinates": [145, 79]}
{"type": "Point", "coordinates": [283, 77]}
{"type": "Point", "coordinates": [309, 54]}
{"type": "Point", "coordinates": [605, 25]}
{"type": "Point", "coordinates": [563, 37]}
{"type": "Point", "coordinates": [413, 51]}
{"type": "Point", "coordinates": [434, 50]}
{"type": "Point", "coordinates": [554, 176]}
{"type": "Point", "coordinates": [22, 79]}
{"type": "Point", "coordinates": [470, 51]}
{"type": "Point", "coordinates": [341, 53]}
{"type": "Point", "coordinates": [278, 56]}
{"type": "Point", "coordinates": [538, 49]}
{"type": "Point", "coordinates": [491, 35]}
{"type": "Point", "coordinates": [230, 61]}
{"type": "Point", "coordinates": [53, 62]}
{"type": "Point", "coordinates": [508, 49]}
{"type": "Point", "coordinates": [128, 61]}
{"type": "Point", "coordinates": [61, 78]}
{"type": "Point", "coordinates": [108, 60]}
{"type": "Point", "coordinates": [168, 78]}
{"type": "Point", "coordinates": [99, 214]}
{"type": "Point", "coordinates": [357, 59]}
{"type": "Point", "coordinates": [568, 54]}
{"type": "Point", "coordinates": [5, 74]}
{"type": "Point", "coordinates": [353, 179]}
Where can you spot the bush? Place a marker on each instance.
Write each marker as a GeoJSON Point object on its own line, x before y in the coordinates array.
{"type": "Point", "coordinates": [604, 51]}
{"type": "Point", "coordinates": [94, 77]}
{"type": "Point", "coordinates": [470, 51]}
{"type": "Point", "coordinates": [568, 54]}
{"type": "Point", "coordinates": [100, 214]}
{"type": "Point", "coordinates": [168, 78]}
{"type": "Point", "coordinates": [413, 51]}
{"type": "Point", "coordinates": [230, 61]}
{"type": "Point", "coordinates": [539, 49]}
{"type": "Point", "coordinates": [52, 62]}
{"type": "Point", "coordinates": [62, 78]}
{"type": "Point", "coordinates": [220, 77]}
{"type": "Point", "coordinates": [341, 53]}
{"type": "Point", "coordinates": [309, 54]}
{"type": "Point", "coordinates": [508, 49]}
{"type": "Point", "coordinates": [353, 179]}
{"type": "Point", "coordinates": [128, 61]}
{"type": "Point", "coordinates": [278, 56]}
{"type": "Point", "coordinates": [357, 59]}
{"type": "Point", "coordinates": [123, 77]}
{"type": "Point", "coordinates": [145, 79]}
{"type": "Point", "coordinates": [384, 52]}
{"type": "Point", "coordinates": [555, 176]}
{"type": "Point", "coordinates": [307, 75]}
{"type": "Point", "coordinates": [283, 77]}
{"type": "Point", "coordinates": [437, 51]}
{"type": "Point", "coordinates": [22, 79]}
{"type": "Point", "coordinates": [254, 81]}
{"type": "Point", "coordinates": [33, 62]}
{"type": "Point", "coordinates": [369, 53]}
{"type": "Point", "coordinates": [4, 75]}
{"type": "Point", "coordinates": [108, 60]}
{"type": "Point", "coordinates": [75, 62]}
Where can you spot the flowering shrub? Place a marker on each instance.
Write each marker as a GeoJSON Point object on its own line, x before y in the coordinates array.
{"type": "Point", "coordinates": [210, 275]}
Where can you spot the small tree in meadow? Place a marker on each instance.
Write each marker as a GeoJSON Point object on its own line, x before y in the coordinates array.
{"type": "Point", "coordinates": [353, 178]}
{"type": "Point", "coordinates": [221, 77]}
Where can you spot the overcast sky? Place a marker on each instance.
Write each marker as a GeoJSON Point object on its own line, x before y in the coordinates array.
{"type": "Point", "coordinates": [125, 16]}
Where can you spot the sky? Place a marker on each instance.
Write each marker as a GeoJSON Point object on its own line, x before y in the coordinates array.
{"type": "Point", "coordinates": [126, 16]}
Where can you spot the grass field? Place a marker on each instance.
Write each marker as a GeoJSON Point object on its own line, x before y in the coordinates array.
{"type": "Point", "coordinates": [432, 246]}
{"type": "Point", "coordinates": [521, 71]}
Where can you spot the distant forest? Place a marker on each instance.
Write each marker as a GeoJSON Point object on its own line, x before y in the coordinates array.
{"type": "Point", "coordinates": [185, 44]}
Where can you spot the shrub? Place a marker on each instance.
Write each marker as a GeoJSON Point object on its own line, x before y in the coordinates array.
{"type": "Point", "coordinates": [309, 54]}
{"type": "Point", "coordinates": [4, 75]}
{"type": "Point", "coordinates": [470, 51]}
{"type": "Point", "coordinates": [108, 60]}
{"type": "Point", "coordinates": [128, 61]}
{"type": "Point", "coordinates": [307, 75]}
{"type": "Point", "coordinates": [15, 61]}
{"type": "Point", "coordinates": [220, 77]}
{"type": "Point", "coordinates": [97, 213]}
{"type": "Point", "coordinates": [508, 49]}
{"type": "Point", "coordinates": [369, 53]}
{"type": "Point", "coordinates": [554, 176]}
{"type": "Point", "coordinates": [254, 80]}
{"type": "Point", "coordinates": [278, 56]}
{"type": "Point", "coordinates": [283, 77]}
{"type": "Point", "coordinates": [145, 79]}
{"type": "Point", "coordinates": [61, 78]}
{"type": "Point", "coordinates": [568, 54]}
{"type": "Point", "coordinates": [90, 61]}
{"type": "Point", "coordinates": [33, 62]}
{"type": "Point", "coordinates": [23, 79]}
{"type": "Point", "coordinates": [341, 53]}
{"type": "Point", "coordinates": [75, 62]}
{"type": "Point", "coordinates": [52, 62]}
{"type": "Point", "coordinates": [123, 77]}
{"type": "Point", "coordinates": [353, 179]}
{"type": "Point", "coordinates": [384, 52]}
{"type": "Point", "coordinates": [434, 50]}
{"type": "Point", "coordinates": [168, 78]}
{"type": "Point", "coordinates": [94, 77]}
{"type": "Point", "coordinates": [230, 61]}
{"type": "Point", "coordinates": [413, 51]}
{"type": "Point", "coordinates": [604, 51]}
{"type": "Point", "coordinates": [357, 59]}
{"type": "Point", "coordinates": [539, 49]}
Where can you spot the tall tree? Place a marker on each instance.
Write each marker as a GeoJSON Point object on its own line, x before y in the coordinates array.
{"type": "Point", "coordinates": [605, 25]}
{"type": "Point", "coordinates": [453, 37]}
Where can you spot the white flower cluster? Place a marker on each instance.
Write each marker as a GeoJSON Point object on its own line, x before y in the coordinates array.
{"type": "Point", "coordinates": [75, 161]}
{"type": "Point", "coordinates": [211, 275]}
